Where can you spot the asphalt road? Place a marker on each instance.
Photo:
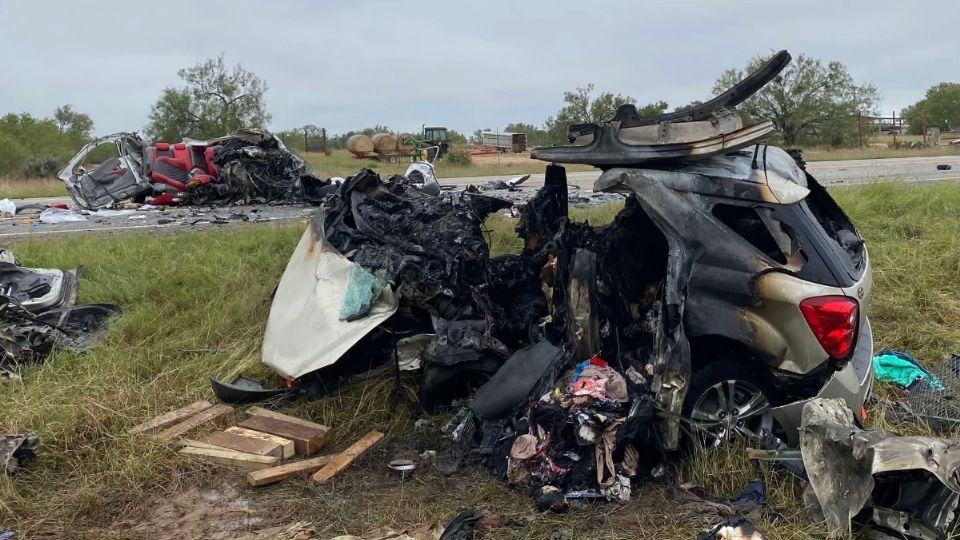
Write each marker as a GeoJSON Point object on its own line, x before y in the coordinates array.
{"type": "Point", "coordinates": [831, 173]}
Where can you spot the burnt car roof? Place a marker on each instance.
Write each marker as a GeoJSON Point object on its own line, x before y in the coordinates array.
{"type": "Point", "coordinates": [628, 139]}
{"type": "Point", "coordinates": [762, 173]}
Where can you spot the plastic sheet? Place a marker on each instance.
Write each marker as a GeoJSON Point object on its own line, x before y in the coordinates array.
{"type": "Point", "coordinates": [58, 215]}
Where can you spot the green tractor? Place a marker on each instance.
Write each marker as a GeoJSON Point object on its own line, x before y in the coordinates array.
{"type": "Point", "coordinates": [436, 136]}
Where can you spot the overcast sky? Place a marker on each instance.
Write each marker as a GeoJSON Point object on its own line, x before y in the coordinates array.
{"type": "Point", "coordinates": [466, 65]}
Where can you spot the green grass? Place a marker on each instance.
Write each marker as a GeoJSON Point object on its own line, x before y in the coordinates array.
{"type": "Point", "coordinates": [196, 304]}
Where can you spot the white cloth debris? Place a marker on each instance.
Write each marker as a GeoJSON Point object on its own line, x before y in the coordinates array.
{"type": "Point", "coordinates": [59, 215]}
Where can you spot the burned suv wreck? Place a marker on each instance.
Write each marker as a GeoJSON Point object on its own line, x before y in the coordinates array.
{"type": "Point", "coordinates": [729, 290]}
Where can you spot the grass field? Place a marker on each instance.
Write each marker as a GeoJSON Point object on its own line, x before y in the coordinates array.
{"type": "Point", "coordinates": [196, 304]}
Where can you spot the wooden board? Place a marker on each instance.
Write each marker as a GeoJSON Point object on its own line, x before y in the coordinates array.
{"type": "Point", "coordinates": [306, 440]}
{"type": "Point", "coordinates": [230, 458]}
{"type": "Point", "coordinates": [240, 443]}
{"type": "Point", "coordinates": [170, 418]}
{"type": "Point", "coordinates": [199, 444]}
{"type": "Point", "coordinates": [287, 470]}
{"type": "Point", "coordinates": [343, 460]}
{"type": "Point", "coordinates": [260, 411]}
{"type": "Point", "coordinates": [218, 413]}
{"type": "Point", "coordinates": [286, 445]}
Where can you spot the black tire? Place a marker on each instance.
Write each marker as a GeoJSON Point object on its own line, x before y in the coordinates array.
{"type": "Point", "coordinates": [748, 379]}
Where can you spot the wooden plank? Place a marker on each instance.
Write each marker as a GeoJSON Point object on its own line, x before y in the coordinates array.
{"type": "Point", "coordinates": [306, 440]}
{"type": "Point", "coordinates": [168, 419]}
{"type": "Point", "coordinates": [285, 444]}
{"type": "Point", "coordinates": [240, 443]}
{"type": "Point", "coordinates": [199, 444]}
{"type": "Point", "coordinates": [343, 460]}
{"type": "Point", "coordinates": [230, 458]}
{"type": "Point", "coordinates": [260, 411]}
{"type": "Point", "coordinates": [218, 413]}
{"type": "Point", "coordinates": [287, 470]}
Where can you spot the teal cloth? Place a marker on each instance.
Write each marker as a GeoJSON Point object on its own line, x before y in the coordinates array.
{"type": "Point", "coordinates": [363, 288]}
{"type": "Point", "coordinates": [901, 369]}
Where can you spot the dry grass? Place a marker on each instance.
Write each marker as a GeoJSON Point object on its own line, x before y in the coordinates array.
{"type": "Point", "coordinates": [196, 303]}
{"type": "Point", "coordinates": [342, 163]}
{"type": "Point", "coordinates": [875, 152]}
{"type": "Point", "coordinates": [25, 188]}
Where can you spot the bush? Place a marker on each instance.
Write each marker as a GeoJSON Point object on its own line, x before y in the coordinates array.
{"type": "Point", "coordinates": [42, 167]}
{"type": "Point", "coordinates": [459, 155]}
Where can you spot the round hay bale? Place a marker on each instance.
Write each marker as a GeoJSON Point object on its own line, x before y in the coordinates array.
{"type": "Point", "coordinates": [403, 145]}
{"type": "Point", "coordinates": [384, 142]}
{"type": "Point", "coordinates": [360, 144]}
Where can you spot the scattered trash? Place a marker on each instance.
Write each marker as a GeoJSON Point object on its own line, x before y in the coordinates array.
{"type": "Point", "coordinates": [108, 213]}
{"type": "Point", "coordinates": [944, 167]}
{"type": "Point", "coordinates": [17, 451]}
{"type": "Point", "coordinates": [733, 528]}
{"type": "Point", "coordinates": [59, 215]}
{"type": "Point", "coordinates": [7, 208]}
{"type": "Point", "coordinates": [907, 485]}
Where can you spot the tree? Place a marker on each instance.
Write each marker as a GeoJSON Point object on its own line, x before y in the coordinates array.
{"type": "Point", "coordinates": [27, 142]}
{"type": "Point", "coordinates": [580, 108]}
{"type": "Point", "coordinates": [455, 137]}
{"type": "Point", "coordinates": [71, 121]}
{"type": "Point", "coordinates": [806, 99]}
{"type": "Point", "coordinates": [215, 101]}
{"type": "Point", "coordinates": [939, 108]}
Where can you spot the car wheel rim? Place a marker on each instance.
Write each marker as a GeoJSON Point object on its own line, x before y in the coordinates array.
{"type": "Point", "coordinates": [731, 409]}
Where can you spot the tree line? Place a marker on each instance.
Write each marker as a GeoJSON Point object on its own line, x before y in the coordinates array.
{"type": "Point", "coordinates": [811, 103]}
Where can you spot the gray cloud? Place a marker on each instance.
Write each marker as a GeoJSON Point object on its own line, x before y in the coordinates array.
{"type": "Point", "coordinates": [348, 65]}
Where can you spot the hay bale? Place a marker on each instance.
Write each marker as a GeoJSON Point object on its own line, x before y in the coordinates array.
{"type": "Point", "coordinates": [403, 145]}
{"type": "Point", "coordinates": [384, 142]}
{"type": "Point", "coordinates": [360, 144]}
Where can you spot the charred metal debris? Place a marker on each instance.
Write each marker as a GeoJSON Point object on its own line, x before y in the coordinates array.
{"type": "Point", "coordinates": [39, 315]}
{"type": "Point", "coordinates": [247, 166]}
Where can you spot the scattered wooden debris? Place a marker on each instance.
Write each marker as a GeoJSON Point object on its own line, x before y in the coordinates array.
{"type": "Point", "coordinates": [249, 445]}
{"type": "Point", "coordinates": [267, 413]}
{"type": "Point", "coordinates": [288, 470]}
{"type": "Point", "coordinates": [285, 444]}
{"type": "Point", "coordinates": [173, 417]}
{"type": "Point", "coordinates": [343, 460]}
{"type": "Point", "coordinates": [217, 413]}
{"type": "Point", "coordinates": [237, 460]}
{"type": "Point", "coordinates": [306, 440]}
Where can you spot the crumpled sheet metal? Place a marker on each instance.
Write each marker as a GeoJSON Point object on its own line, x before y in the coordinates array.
{"type": "Point", "coordinates": [304, 330]}
{"type": "Point", "coordinates": [842, 460]}
{"type": "Point", "coordinates": [17, 451]}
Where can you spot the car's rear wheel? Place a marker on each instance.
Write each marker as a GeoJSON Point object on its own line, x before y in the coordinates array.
{"type": "Point", "coordinates": [728, 400]}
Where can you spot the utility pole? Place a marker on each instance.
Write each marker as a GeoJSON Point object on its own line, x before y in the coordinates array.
{"type": "Point", "coordinates": [894, 130]}
{"type": "Point", "coordinates": [860, 127]}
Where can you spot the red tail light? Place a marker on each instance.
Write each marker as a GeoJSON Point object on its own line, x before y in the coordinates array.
{"type": "Point", "coordinates": [833, 320]}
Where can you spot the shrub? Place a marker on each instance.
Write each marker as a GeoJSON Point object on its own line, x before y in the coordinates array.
{"type": "Point", "coordinates": [459, 155]}
{"type": "Point", "coordinates": [42, 167]}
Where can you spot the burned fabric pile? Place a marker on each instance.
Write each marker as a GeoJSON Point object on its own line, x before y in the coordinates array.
{"type": "Point", "coordinates": [247, 166]}
{"type": "Point", "coordinates": [38, 315]}
{"type": "Point", "coordinates": [584, 439]}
